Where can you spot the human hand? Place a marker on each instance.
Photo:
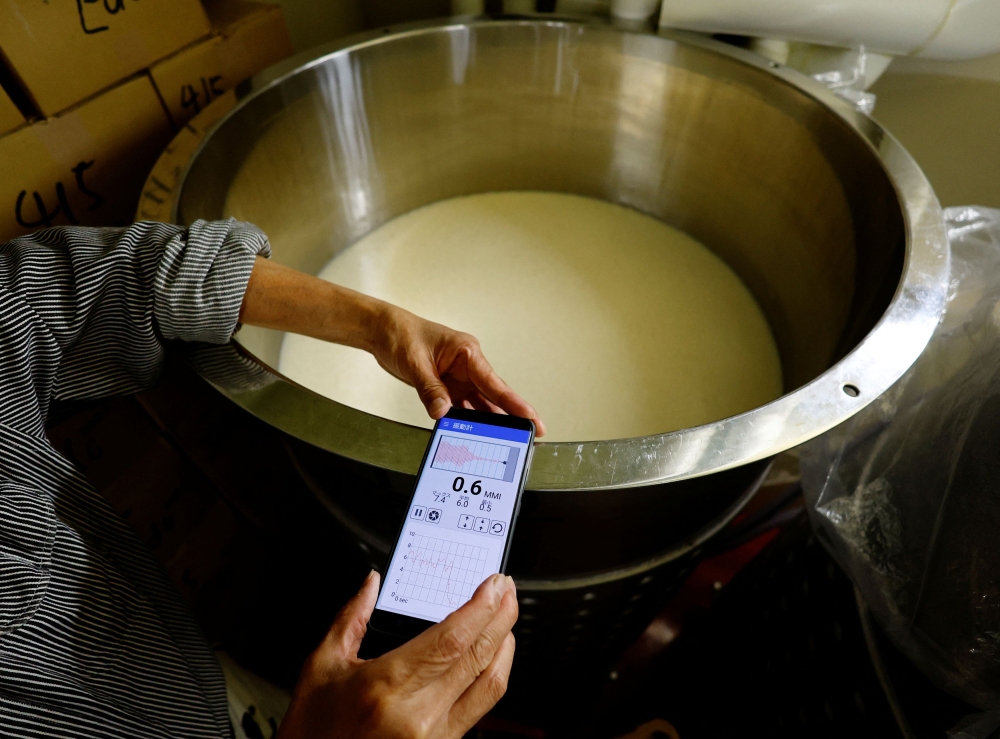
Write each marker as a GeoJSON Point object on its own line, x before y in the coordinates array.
{"type": "Point", "coordinates": [446, 367]}
{"type": "Point", "coordinates": [436, 686]}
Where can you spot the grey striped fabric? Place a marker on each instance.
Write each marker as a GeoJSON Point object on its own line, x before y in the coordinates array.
{"type": "Point", "coordinates": [94, 641]}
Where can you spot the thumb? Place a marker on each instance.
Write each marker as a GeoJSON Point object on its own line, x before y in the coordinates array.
{"type": "Point", "coordinates": [351, 623]}
{"type": "Point", "coordinates": [432, 391]}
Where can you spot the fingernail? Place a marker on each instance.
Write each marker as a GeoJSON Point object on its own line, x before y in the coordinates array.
{"type": "Point", "coordinates": [510, 584]}
{"type": "Point", "coordinates": [368, 579]}
{"type": "Point", "coordinates": [500, 583]}
{"type": "Point", "coordinates": [439, 406]}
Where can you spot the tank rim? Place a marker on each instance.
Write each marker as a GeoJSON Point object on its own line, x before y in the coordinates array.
{"type": "Point", "coordinates": [876, 363]}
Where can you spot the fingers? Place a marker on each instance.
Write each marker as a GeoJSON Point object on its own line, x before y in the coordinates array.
{"type": "Point", "coordinates": [432, 391]}
{"type": "Point", "coordinates": [349, 627]}
{"type": "Point", "coordinates": [459, 355]}
{"type": "Point", "coordinates": [431, 654]}
{"type": "Point", "coordinates": [487, 689]}
{"type": "Point", "coordinates": [476, 402]}
{"type": "Point", "coordinates": [480, 655]}
{"type": "Point", "coordinates": [496, 391]}
{"type": "Point", "coordinates": [479, 403]}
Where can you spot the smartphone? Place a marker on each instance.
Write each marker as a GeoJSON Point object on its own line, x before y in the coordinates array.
{"type": "Point", "coordinates": [460, 519]}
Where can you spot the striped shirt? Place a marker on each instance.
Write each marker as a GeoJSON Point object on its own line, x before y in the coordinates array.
{"type": "Point", "coordinates": [94, 641]}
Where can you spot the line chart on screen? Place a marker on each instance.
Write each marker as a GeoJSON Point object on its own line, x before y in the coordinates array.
{"type": "Point", "coordinates": [471, 457]}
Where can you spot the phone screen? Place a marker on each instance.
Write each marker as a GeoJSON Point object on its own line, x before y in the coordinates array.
{"type": "Point", "coordinates": [460, 518]}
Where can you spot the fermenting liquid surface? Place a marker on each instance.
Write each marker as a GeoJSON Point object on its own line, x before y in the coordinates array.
{"type": "Point", "coordinates": [611, 323]}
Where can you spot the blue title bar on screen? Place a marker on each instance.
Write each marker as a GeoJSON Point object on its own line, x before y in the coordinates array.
{"type": "Point", "coordinates": [483, 429]}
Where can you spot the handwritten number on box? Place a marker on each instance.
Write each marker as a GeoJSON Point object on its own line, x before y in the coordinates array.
{"type": "Point", "coordinates": [209, 91]}
{"type": "Point", "coordinates": [45, 216]}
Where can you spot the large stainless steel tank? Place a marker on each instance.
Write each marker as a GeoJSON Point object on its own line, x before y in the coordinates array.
{"type": "Point", "coordinates": [822, 214]}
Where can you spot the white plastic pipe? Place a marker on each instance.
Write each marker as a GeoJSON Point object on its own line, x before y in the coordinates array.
{"type": "Point", "coordinates": [634, 10]}
{"type": "Point", "coordinates": [971, 30]}
{"type": "Point", "coordinates": [936, 29]}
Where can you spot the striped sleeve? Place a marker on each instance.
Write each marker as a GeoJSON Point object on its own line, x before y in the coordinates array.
{"type": "Point", "coordinates": [198, 291]}
{"type": "Point", "coordinates": [83, 311]}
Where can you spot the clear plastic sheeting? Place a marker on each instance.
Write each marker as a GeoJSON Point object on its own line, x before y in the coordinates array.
{"type": "Point", "coordinates": [976, 726]}
{"type": "Point", "coordinates": [847, 72]}
{"type": "Point", "coordinates": [849, 78]}
{"type": "Point", "coordinates": [906, 495]}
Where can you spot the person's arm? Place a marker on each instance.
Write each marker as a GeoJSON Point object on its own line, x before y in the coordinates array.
{"type": "Point", "coordinates": [446, 367]}
{"type": "Point", "coordinates": [437, 685]}
{"type": "Point", "coordinates": [83, 310]}
{"type": "Point", "coordinates": [441, 683]}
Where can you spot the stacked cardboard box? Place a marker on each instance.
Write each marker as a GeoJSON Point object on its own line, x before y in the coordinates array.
{"type": "Point", "coordinates": [250, 37]}
{"type": "Point", "coordinates": [109, 90]}
{"type": "Point", "coordinates": [84, 166]}
{"type": "Point", "coordinates": [10, 116]}
{"type": "Point", "coordinates": [158, 192]}
{"type": "Point", "coordinates": [64, 52]}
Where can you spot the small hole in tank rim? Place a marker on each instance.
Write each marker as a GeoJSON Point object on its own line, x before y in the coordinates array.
{"type": "Point", "coordinates": [852, 390]}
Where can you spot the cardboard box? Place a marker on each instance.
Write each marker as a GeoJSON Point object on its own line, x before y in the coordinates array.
{"type": "Point", "coordinates": [10, 116]}
{"type": "Point", "coordinates": [250, 37]}
{"type": "Point", "coordinates": [86, 166]}
{"type": "Point", "coordinates": [63, 52]}
{"type": "Point", "coordinates": [158, 192]}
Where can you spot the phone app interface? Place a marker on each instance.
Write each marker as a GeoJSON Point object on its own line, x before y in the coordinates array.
{"type": "Point", "coordinates": [457, 525]}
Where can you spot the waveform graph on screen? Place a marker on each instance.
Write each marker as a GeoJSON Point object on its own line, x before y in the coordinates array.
{"type": "Point", "coordinates": [441, 571]}
{"type": "Point", "coordinates": [471, 457]}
